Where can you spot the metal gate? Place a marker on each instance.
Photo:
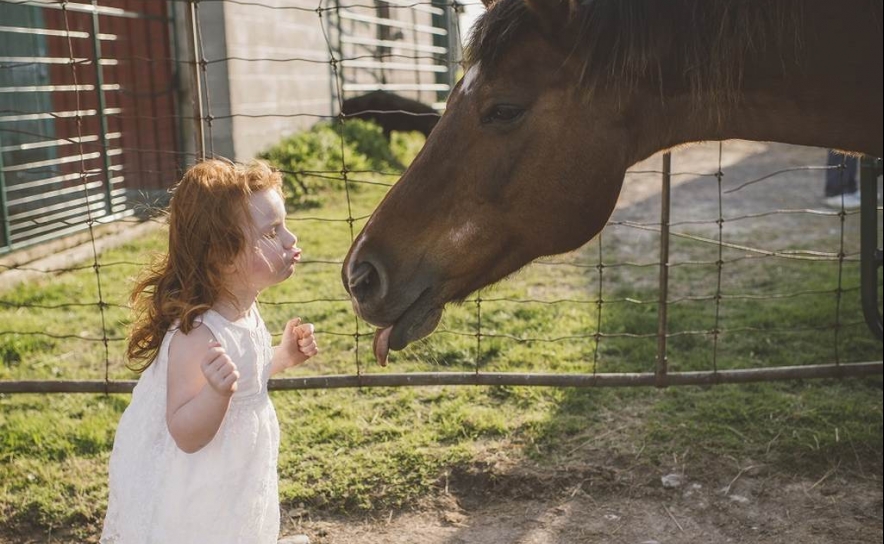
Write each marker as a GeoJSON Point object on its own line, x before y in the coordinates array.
{"type": "Point", "coordinates": [87, 114]}
{"type": "Point", "coordinates": [397, 46]}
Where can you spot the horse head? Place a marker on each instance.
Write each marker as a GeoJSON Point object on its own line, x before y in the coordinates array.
{"type": "Point", "coordinates": [499, 183]}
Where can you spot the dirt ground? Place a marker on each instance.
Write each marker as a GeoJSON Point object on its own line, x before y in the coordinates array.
{"type": "Point", "coordinates": [600, 499]}
{"type": "Point", "coordinates": [595, 504]}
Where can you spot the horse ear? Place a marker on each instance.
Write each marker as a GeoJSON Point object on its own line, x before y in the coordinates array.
{"type": "Point", "coordinates": [552, 15]}
{"type": "Point", "coordinates": [488, 3]}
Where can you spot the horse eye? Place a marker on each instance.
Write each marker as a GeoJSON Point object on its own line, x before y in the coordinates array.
{"type": "Point", "coordinates": [502, 113]}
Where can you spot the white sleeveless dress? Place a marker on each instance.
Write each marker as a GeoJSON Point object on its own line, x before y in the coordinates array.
{"type": "Point", "coordinates": [226, 493]}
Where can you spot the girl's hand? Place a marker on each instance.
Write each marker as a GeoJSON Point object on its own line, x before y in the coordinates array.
{"type": "Point", "coordinates": [219, 370]}
{"type": "Point", "coordinates": [298, 343]}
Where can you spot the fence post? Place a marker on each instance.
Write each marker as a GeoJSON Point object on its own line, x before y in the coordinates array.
{"type": "Point", "coordinates": [662, 304]}
{"type": "Point", "coordinates": [4, 213]}
{"type": "Point", "coordinates": [444, 20]}
{"type": "Point", "coordinates": [192, 22]}
{"type": "Point", "coordinates": [102, 118]}
{"type": "Point", "coordinates": [870, 255]}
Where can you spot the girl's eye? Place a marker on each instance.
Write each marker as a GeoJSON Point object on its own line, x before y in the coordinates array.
{"type": "Point", "coordinates": [272, 234]}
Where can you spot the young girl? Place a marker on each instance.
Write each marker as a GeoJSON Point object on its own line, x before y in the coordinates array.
{"type": "Point", "coordinates": [194, 458]}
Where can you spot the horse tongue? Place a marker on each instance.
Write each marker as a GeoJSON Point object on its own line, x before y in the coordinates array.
{"type": "Point", "coordinates": [381, 345]}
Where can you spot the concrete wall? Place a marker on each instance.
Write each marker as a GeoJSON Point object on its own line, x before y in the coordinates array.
{"type": "Point", "coordinates": [271, 98]}
{"type": "Point", "coordinates": [269, 73]}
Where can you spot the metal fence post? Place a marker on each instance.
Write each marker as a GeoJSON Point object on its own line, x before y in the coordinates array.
{"type": "Point", "coordinates": [4, 213]}
{"type": "Point", "coordinates": [443, 20]}
{"type": "Point", "coordinates": [102, 106]}
{"type": "Point", "coordinates": [662, 305]}
{"type": "Point", "coordinates": [192, 23]}
{"type": "Point", "coordinates": [870, 254]}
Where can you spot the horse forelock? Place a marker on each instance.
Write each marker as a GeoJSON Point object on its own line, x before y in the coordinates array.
{"type": "Point", "coordinates": [619, 44]}
{"type": "Point", "coordinates": [495, 31]}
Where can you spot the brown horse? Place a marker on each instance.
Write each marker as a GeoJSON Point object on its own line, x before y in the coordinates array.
{"type": "Point", "coordinates": [391, 112]}
{"type": "Point", "coordinates": [560, 98]}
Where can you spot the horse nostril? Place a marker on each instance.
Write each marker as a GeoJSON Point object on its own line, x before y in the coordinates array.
{"type": "Point", "coordinates": [364, 281]}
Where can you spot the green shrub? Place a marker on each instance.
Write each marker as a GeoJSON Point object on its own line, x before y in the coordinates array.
{"type": "Point", "coordinates": [406, 145]}
{"type": "Point", "coordinates": [369, 145]}
{"type": "Point", "coordinates": [314, 160]}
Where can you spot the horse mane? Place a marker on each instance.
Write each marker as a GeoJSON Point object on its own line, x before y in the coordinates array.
{"type": "Point", "coordinates": [620, 43]}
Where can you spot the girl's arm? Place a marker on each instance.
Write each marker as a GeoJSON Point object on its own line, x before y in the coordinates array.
{"type": "Point", "coordinates": [297, 345]}
{"type": "Point", "coordinates": [200, 381]}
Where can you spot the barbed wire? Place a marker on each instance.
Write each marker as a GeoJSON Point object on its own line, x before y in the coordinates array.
{"type": "Point", "coordinates": [94, 147]}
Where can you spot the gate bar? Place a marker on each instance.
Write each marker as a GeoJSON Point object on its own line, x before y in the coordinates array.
{"type": "Point", "coordinates": [414, 379]}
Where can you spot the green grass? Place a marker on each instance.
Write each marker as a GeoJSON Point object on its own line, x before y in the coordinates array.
{"type": "Point", "coordinates": [371, 450]}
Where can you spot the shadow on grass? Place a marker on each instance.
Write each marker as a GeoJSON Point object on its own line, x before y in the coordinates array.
{"type": "Point", "coordinates": [770, 312]}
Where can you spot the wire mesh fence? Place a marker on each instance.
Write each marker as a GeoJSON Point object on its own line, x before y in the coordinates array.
{"type": "Point", "coordinates": [715, 252]}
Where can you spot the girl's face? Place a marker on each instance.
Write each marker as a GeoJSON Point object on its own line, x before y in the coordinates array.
{"type": "Point", "coordinates": [271, 251]}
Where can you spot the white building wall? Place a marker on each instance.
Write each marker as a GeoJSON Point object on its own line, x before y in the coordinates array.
{"type": "Point", "coordinates": [269, 71]}
{"type": "Point", "coordinates": [278, 71]}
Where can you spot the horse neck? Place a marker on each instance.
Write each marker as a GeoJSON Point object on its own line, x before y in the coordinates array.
{"type": "Point", "coordinates": [831, 96]}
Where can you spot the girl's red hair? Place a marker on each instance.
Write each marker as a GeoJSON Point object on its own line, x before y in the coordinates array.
{"type": "Point", "coordinates": [208, 217]}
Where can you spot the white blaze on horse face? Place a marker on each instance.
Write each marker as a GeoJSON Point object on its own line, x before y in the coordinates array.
{"type": "Point", "coordinates": [469, 79]}
{"type": "Point", "coordinates": [463, 233]}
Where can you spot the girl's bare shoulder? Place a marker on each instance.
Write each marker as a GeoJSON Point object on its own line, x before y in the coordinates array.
{"type": "Point", "coordinates": [185, 345]}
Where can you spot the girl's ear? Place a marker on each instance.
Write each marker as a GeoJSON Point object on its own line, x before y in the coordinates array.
{"type": "Point", "coordinates": [231, 269]}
